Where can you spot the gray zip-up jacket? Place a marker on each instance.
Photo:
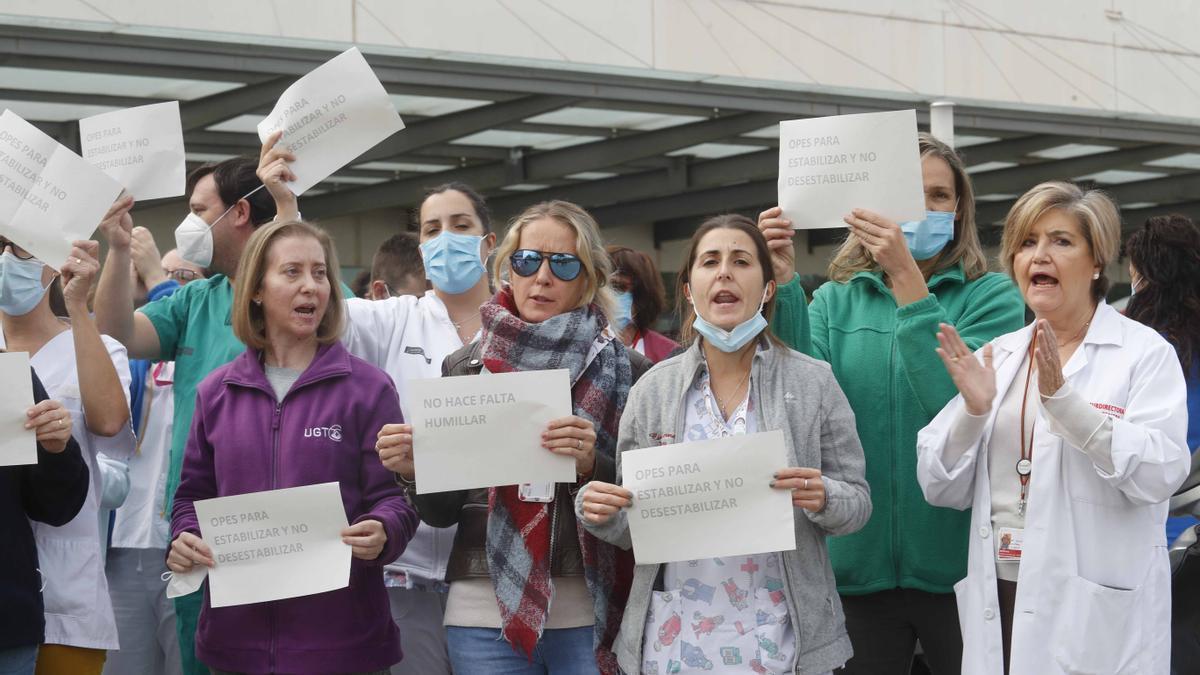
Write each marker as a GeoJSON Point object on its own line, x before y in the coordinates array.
{"type": "Point", "coordinates": [798, 395]}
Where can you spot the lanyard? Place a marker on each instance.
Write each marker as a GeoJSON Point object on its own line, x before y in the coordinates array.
{"type": "Point", "coordinates": [1025, 464]}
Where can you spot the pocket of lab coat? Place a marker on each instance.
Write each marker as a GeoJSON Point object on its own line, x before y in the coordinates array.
{"type": "Point", "coordinates": [1097, 629]}
{"type": "Point", "coordinates": [70, 568]}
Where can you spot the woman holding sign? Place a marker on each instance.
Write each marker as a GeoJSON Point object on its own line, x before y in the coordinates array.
{"type": "Point", "coordinates": [409, 336]}
{"type": "Point", "coordinates": [89, 374]}
{"type": "Point", "coordinates": [516, 546]}
{"type": "Point", "coordinates": [1066, 441]}
{"type": "Point", "coordinates": [773, 612]}
{"type": "Point", "coordinates": [295, 409]}
{"type": "Point", "coordinates": [876, 322]}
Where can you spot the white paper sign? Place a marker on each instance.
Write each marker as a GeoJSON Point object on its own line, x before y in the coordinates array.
{"type": "Point", "coordinates": [331, 116]}
{"type": "Point", "coordinates": [831, 165]}
{"type": "Point", "coordinates": [275, 544]}
{"type": "Point", "coordinates": [49, 196]}
{"type": "Point", "coordinates": [486, 430]}
{"type": "Point", "coordinates": [708, 499]}
{"type": "Point", "coordinates": [18, 445]}
{"type": "Point", "coordinates": [141, 148]}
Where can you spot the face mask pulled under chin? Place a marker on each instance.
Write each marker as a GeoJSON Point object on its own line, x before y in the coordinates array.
{"type": "Point", "coordinates": [730, 341]}
{"type": "Point", "coordinates": [194, 240]}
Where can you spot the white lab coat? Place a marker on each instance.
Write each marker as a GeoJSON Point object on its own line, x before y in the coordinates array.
{"type": "Point", "coordinates": [1094, 590]}
{"type": "Point", "coordinates": [408, 337]}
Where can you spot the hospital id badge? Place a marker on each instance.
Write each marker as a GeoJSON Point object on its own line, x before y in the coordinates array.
{"type": "Point", "coordinates": [1011, 541]}
{"type": "Point", "coordinates": [536, 492]}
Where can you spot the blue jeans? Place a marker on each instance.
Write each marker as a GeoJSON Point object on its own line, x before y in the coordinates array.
{"type": "Point", "coordinates": [565, 651]}
{"type": "Point", "coordinates": [18, 660]}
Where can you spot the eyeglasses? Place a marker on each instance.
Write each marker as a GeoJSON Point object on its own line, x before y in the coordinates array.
{"type": "Point", "coordinates": [21, 253]}
{"type": "Point", "coordinates": [526, 262]}
{"type": "Point", "coordinates": [181, 275]}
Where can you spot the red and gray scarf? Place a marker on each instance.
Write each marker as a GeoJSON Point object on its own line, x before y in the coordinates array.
{"type": "Point", "coordinates": [518, 536]}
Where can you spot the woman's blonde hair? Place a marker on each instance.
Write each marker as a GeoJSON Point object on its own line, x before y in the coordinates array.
{"type": "Point", "coordinates": [852, 257]}
{"type": "Point", "coordinates": [249, 322]}
{"type": "Point", "coordinates": [1097, 215]}
{"type": "Point", "coordinates": [588, 245]}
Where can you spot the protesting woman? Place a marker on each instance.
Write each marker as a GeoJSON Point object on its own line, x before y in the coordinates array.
{"type": "Point", "coordinates": [50, 491]}
{"type": "Point", "coordinates": [514, 552]}
{"type": "Point", "coordinates": [737, 379]}
{"type": "Point", "coordinates": [1164, 272]}
{"type": "Point", "coordinates": [251, 433]}
{"type": "Point", "coordinates": [1065, 442]}
{"type": "Point", "coordinates": [89, 374]}
{"type": "Point", "coordinates": [409, 337]}
{"type": "Point", "coordinates": [875, 322]}
{"type": "Point", "coordinates": [640, 299]}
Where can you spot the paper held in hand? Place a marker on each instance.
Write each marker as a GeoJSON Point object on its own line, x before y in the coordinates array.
{"type": "Point", "coordinates": [49, 196]}
{"type": "Point", "coordinates": [275, 544]}
{"type": "Point", "coordinates": [18, 445]}
{"type": "Point", "coordinates": [486, 430]}
{"type": "Point", "coordinates": [708, 499]}
{"type": "Point", "coordinates": [141, 148]}
{"type": "Point", "coordinates": [331, 116]}
{"type": "Point", "coordinates": [829, 166]}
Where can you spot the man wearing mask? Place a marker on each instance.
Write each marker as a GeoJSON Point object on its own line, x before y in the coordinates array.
{"type": "Point", "coordinates": [190, 327]}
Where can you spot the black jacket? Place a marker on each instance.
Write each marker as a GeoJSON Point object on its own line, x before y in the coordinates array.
{"type": "Point", "coordinates": [51, 491]}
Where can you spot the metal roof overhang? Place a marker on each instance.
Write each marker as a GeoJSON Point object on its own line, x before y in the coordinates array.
{"type": "Point", "coordinates": [699, 156]}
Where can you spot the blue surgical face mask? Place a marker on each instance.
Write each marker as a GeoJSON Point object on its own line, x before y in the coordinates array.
{"type": "Point", "coordinates": [21, 286]}
{"type": "Point", "coordinates": [730, 341]}
{"type": "Point", "coordinates": [926, 238]}
{"type": "Point", "coordinates": [452, 261]}
{"type": "Point", "coordinates": [624, 315]}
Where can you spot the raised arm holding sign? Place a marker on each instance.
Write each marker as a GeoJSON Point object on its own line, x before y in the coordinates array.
{"type": "Point", "coordinates": [331, 116]}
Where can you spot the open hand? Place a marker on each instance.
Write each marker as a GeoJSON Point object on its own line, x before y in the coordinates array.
{"type": "Point", "coordinates": [975, 381]}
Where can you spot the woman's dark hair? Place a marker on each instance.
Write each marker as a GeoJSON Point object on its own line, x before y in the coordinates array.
{"type": "Point", "coordinates": [645, 283]}
{"type": "Point", "coordinates": [731, 221]}
{"type": "Point", "coordinates": [1166, 254]}
{"type": "Point", "coordinates": [481, 208]}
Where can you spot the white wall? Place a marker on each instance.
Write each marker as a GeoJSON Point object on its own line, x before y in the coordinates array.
{"type": "Point", "coordinates": [1111, 55]}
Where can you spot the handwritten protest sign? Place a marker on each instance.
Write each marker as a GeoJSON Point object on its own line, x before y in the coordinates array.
{"type": "Point", "coordinates": [484, 431]}
{"type": "Point", "coordinates": [18, 445]}
{"type": "Point", "coordinates": [331, 116]}
{"type": "Point", "coordinates": [831, 165]}
{"type": "Point", "coordinates": [275, 544]}
{"type": "Point", "coordinates": [141, 148]}
{"type": "Point", "coordinates": [49, 196]}
{"type": "Point", "coordinates": [708, 499]}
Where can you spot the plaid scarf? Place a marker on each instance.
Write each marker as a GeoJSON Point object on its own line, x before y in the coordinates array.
{"type": "Point", "coordinates": [518, 532]}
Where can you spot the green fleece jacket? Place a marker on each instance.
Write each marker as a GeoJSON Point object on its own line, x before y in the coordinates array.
{"type": "Point", "coordinates": [884, 359]}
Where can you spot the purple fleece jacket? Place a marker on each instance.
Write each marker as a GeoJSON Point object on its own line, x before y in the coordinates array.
{"type": "Point", "coordinates": [323, 430]}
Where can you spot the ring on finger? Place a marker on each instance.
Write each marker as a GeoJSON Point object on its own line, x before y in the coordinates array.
{"type": "Point", "coordinates": [805, 483]}
{"type": "Point", "coordinates": [578, 444]}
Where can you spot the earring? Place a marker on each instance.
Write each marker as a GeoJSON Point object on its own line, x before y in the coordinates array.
{"type": "Point", "coordinates": [1095, 275]}
{"type": "Point", "coordinates": [258, 302]}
